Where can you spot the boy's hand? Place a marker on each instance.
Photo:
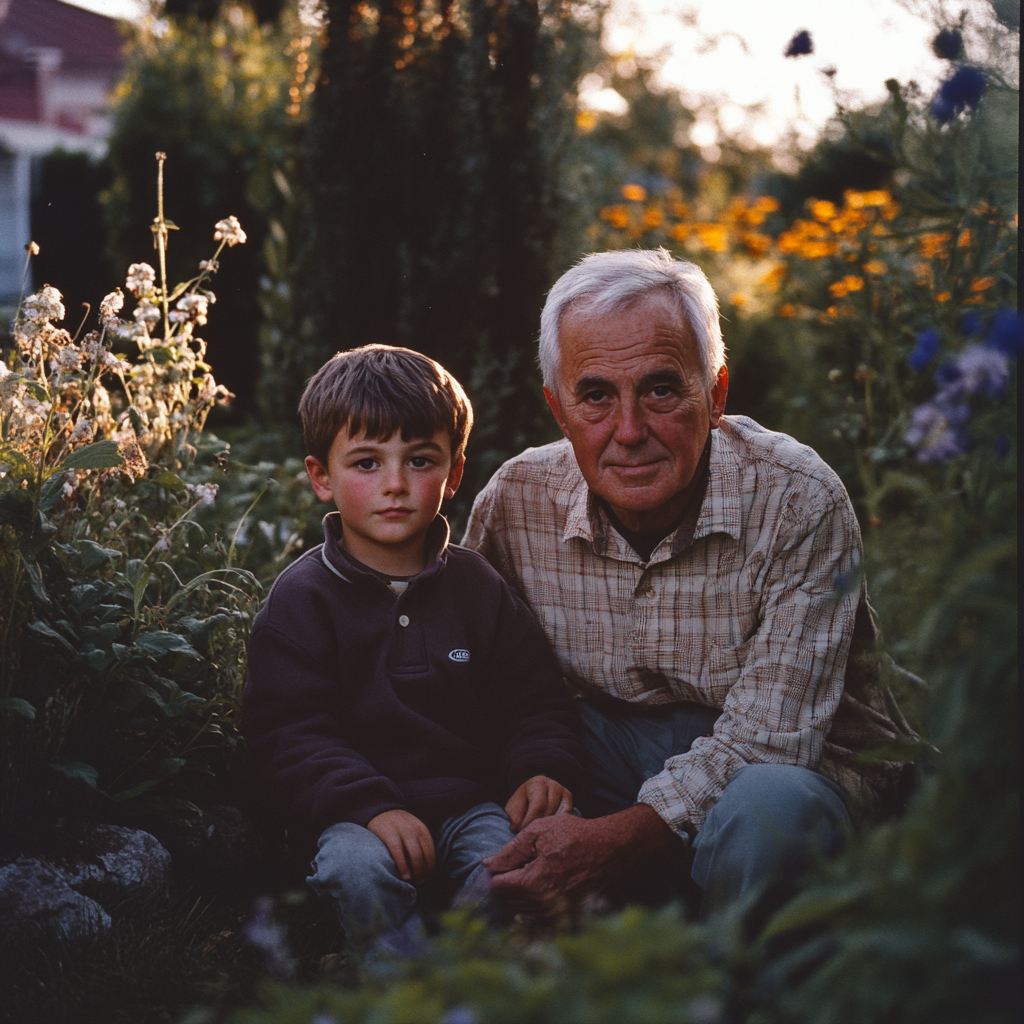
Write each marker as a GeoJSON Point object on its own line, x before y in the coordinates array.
{"type": "Point", "coordinates": [538, 797]}
{"type": "Point", "coordinates": [409, 843]}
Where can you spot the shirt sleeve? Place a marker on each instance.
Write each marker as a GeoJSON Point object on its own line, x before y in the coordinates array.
{"type": "Point", "coordinates": [486, 532]}
{"type": "Point", "coordinates": [790, 671]}
{"type": "Point", "coordinates": [290, 721]}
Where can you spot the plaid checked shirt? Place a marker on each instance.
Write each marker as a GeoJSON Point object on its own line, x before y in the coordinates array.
{"type": "Point", "coordinates": [750, 616]}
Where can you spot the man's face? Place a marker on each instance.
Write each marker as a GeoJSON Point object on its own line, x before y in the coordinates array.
{"type": "Point", "coordinates": [631, 399]}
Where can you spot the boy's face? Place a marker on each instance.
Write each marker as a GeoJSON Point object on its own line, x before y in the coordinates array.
{"type": "Point", "coordinates": [388, 493]}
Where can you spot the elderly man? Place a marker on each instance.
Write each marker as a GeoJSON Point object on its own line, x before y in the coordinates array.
{"type": "Point", "coordinates": [689, 569]}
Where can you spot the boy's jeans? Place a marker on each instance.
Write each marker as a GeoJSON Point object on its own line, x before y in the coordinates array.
{"type": "Point", "coordinates": [355, 873]}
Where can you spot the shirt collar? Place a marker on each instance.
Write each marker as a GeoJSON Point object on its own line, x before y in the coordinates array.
{"type": "Point", "coordinates": [720, 511]}
{"type": "Point", "coordinates": [438, 536]}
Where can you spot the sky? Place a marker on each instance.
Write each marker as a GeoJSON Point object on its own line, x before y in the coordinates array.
{"type": "Point", "coordinates": [726, 57]}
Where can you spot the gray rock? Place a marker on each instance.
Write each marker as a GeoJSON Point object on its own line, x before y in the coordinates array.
{"type": "Point", "coordinates": [35, 898]}
{"type": "Point", "coordinates": [63, 893]}
{"type": "Point", "coordinates": [110, 862]}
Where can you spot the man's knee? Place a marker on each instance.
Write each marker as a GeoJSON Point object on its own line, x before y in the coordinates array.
{"type": "Point", "coordinates": [783, 797]}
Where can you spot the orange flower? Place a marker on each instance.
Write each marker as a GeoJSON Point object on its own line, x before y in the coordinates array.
{"type": "Point", "coordinates": [823, 210]}
{"type": "Point", "coordinates": [680, 232]}
{"type": "Point", "coordinates": [586, 120]}
{"type": "Point", "coordinates": [653, 217]}
{"type": "Point", "coordinates": [981, 284]}
{"type": "Point", "coordinates": [932, 244]}
{"type": "Point", "coordinates": [943, 297]}
{"type": "Point", "coordinates": [964, 240]}
{"type": "Point", "coordinates": [773, 279]}
{"type": "Point", "coordinates": [766, 204]}
{"type": "Point", "coordinates": [713, 236]}
{"type": "Point", "coordinates": [634, 193]}
{"type": "Point", "coordinates": [756, 243]}
{"type": "Point", "coordinates": [679, 209]}
{"type": "Point", "coordinates": [787, 310]}
{"type": "Point", "coordinates": [617, 216]}
{"type": "Point", "coordinates": [838, 289]}
{"type": "Point", "coordinates": [853, 284]}
{"type": "Point", "coordinates": [876, 267]}
{"type": "Point", "coordinates": [815, 250]}
{"type": "Point", "coordinates": [737, 299]}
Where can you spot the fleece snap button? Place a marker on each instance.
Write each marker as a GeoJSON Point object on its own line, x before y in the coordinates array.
{"type": "Point", "coordinates": [403, 620]}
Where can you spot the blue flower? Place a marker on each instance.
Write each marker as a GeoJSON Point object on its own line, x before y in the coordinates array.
{"type": "Point", "coordinates": [1006, 334]}
{"type": "Point", "coordinates": [925, 349]}
{"type": "Point", "coordinates": [1002, 445]}
{"type": "Point", "coordinates": [800, 44]}
{"type": "Point", "coordinates": [460, 1015]}
{"type": "Point", "coordinates": [948, 44]}
{"type": "Point", "coordinates": [971, 324]}
{"type": "Point", "coordinates": [961, 92]}
{"type": "Point", "coordinates": [933, 435]}
{"type": "Point", "coordinates": [983, 370]}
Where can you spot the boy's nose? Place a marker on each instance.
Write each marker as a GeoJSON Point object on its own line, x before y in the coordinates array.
{"type": "Point", "coordinates": [395, 482]}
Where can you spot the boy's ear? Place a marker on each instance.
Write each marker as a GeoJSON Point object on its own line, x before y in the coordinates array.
{"type": "Point", "coordinates": [451, 485]}
{"type": "Point", "coordinates": [319, 478]}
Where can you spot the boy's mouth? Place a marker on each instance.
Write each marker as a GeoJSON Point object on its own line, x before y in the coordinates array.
{"type": "Point", "coordinates": [395, 513]}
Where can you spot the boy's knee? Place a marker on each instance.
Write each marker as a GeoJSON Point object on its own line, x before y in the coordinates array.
{"type": "Point", "coordinates": [349, 852]}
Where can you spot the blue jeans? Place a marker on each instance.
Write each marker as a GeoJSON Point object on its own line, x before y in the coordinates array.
{"type": "Point", "coordinates": [354, 872]}
{"type": "Point", "coordinates": [770, 821]}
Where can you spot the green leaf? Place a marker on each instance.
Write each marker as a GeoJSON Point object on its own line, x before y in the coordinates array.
{"type": "Point", "coordinates": [93, 554]}
{"type": "Point", "coordinates": [170, 480]}
{"type": "Point", "coordinates": [136, 420]}
{"type": "Point", "coordinates": [35, 389]}
{"type": "Point", "coordinates": [98, 455]}
{"type": "Point", "coordinates": [157, 644]}
{"type": "Point", "coordinates": [16, 509]}
{"type": "Point", "coordinates": [134, 791]}
{"type": "Point", "coordinates": [19, 707]}
{"type": "Point", "coordinates": [52, 635]}
{"type": "Point", "coordinates": [52, 491]}
{"type": "Point", "coordinates": [77, 770]}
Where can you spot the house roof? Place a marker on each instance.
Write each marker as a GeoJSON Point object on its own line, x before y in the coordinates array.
{"type": "Point", "coordinates": [88, 41]}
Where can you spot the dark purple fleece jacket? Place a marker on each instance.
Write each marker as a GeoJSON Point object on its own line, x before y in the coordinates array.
{"type": "Point", "coordinates": [359, 702]}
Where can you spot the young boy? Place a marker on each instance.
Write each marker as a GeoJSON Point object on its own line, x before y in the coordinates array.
{"type": "Point", "coordinates": [397, 687]}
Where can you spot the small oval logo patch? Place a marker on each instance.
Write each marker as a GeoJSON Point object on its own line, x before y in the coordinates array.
{"type": "Point", "coordinates": [459, 654]}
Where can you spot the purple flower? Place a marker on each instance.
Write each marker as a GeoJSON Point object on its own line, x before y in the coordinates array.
{"type": "Point", "coordinates": [1006, 334]}
{"type": "Point", "coordinates": [269, 938]}
{"type": "Point", "coordinates": [460, 1015]}
{"type": "Point", "coordinates": [925, 349]}
{"type": "Point", "coordinates": [932, 434]}
{"type": "Point", "coordinates": [982, 370]}
{"type": "Point", "coordinates": [961, 92]}
{"type": "Point", "coordinates": [1002, 445]}
{"type": "Point", "coordinates": [948, 44]}
{"type": "Point", "coordinates": [800, 44]}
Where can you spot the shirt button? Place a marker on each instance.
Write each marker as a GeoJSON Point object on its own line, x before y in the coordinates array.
{"type": "Point", "coordinates": [403, 620]}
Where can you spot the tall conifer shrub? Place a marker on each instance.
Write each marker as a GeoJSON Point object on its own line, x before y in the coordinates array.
{"type": "Point", "coordinates": [431, 203]}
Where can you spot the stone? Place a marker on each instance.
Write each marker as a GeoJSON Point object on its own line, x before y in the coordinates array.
{"type": "Point", "coordinates": [63, 893]}
{"type": "Point", "coordinates": [36, 898]}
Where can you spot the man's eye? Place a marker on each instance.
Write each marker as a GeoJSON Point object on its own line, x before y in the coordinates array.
{"type": "Point", "coordinates": [595, 396]}
{"type": "Point", "coordinates": [662, 391]}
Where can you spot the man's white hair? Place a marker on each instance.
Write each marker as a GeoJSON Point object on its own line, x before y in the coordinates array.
{"type": "Point", "coordinates": [608, 282]}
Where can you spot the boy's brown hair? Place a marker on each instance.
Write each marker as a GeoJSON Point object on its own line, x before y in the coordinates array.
{"type": "Point", "coordinates": [383, 390]}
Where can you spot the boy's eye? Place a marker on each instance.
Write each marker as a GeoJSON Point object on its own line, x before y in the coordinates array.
{"type": "Point", "coordinates": [420, 461]}
{"type": "Point", "coordinates": [366, 463]}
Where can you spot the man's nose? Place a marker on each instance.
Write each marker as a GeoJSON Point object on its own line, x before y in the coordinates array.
{"type": "Point", "coordinates": [631, 427]}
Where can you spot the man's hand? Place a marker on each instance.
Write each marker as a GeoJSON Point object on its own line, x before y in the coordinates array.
{"type": "Point", "coordinates": [539, 797]}
{"type": "Point", "coordinates": [409, 843]}
{"type": "Point", "coordinates": [553, 863]}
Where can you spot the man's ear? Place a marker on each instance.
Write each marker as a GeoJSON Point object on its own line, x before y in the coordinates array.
{"type": "Point", "coordinates": [451, 485]}
{"type": "Point", "coordinates": [555, 405]}
{"type": "Point", "coordinates": [719, 392]}
{"type": "Point", "coordinates": [319, 478]}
